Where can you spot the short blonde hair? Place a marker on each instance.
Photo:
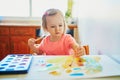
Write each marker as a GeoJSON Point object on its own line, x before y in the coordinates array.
{"type": "Point", "coordinates": [52, 12]}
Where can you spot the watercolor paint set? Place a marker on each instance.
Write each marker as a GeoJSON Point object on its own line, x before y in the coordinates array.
{"type": "Point", "coordinates": [15, 64]}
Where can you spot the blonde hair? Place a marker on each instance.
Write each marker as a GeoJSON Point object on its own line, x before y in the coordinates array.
{"type": "Point", "coordinates": [52, 12]}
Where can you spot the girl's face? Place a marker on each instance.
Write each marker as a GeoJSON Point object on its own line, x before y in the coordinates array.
{"type": "Point", "coordinates": [55, 25]}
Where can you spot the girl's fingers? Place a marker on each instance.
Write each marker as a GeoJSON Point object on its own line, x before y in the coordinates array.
{"type": "Point", "coordinates": [31, 42]}
{"type": "Point", "coordinates": [79, 51]}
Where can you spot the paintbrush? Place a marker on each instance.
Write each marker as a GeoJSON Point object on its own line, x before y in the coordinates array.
{"type": "Point", "coordinates": [40, 38]}
{"type": "Point", "coordinates": [72, 61]}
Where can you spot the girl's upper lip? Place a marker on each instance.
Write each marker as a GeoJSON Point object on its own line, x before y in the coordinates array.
{"type": "Point", "coordinates": [57, 32]}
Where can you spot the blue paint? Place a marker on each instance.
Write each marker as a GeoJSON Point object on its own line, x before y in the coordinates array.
{"type": "Point", "coordinates": [21, 67]}
{"type": "Point", "coordinates": [76, 69]}
{"type": "Point", "coordinates": [9, 58]}
{"type": "Point", "coordinates": [76, 74]}
{"type": "Point", "coordinates": [1, 68]}
{"type": "Point", "coordinates": [48, 65]}
{"type": "Point", "coordinates": [10, 69]}
{"type": "Point", "coordinates": [4, 64]}
{"type": "Point", "coordinates": [8, 61]}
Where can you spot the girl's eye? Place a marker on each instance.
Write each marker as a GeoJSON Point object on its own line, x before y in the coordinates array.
{"type": "Point", "coordinates": [52, 26]}
{"type": "Point", "coordinates": [60, 25]}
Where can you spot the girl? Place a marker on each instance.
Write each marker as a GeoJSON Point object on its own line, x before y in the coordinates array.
{"type": "Point", "coordinates": [57, 42]}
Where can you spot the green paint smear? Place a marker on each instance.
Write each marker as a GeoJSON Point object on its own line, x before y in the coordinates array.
{"type": "Point", "coordinates": [56, 60]}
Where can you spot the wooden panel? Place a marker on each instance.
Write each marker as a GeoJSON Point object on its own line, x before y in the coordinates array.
{"type": "Point", "coordinates": [14, 39]}
{"type": "Point", "coordinates": [4, 46]}
{"type": "Point", "coordinates": [75, 31]}
{"type": "Point", "coordinates": [72, 26]}
{"type": "Point", "coordinates": [4, 31]}
{"type": "Point", "coordinates": [19, 44]}
{"type": "Point", "coordinates": [86, 49]}
{"type": "Point", "coordinates": [22, 31]}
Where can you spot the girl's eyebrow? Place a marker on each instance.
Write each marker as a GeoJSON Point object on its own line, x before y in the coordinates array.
{"type": "Point", "coordinates": [52, 24]}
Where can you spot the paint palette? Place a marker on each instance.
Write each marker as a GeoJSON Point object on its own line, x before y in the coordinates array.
{"type": "Point", "coordinates": [15, 64]}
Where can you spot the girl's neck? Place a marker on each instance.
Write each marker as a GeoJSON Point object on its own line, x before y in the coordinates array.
{"type": "Point", "coordinates": [55, 38]}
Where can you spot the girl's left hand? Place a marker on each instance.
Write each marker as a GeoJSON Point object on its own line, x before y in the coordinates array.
{"type": "Point", "coordinates": [79, 51]}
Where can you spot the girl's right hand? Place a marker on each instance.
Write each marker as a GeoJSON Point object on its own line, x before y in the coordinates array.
{"type": "Point", "coordinates": [31, 42]}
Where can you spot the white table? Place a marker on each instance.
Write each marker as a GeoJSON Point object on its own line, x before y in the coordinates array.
{"type": "Point", "coordinates": [111, 71]}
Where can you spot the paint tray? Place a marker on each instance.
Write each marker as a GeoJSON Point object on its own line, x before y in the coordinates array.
{"type": "Point", "coordinates": [15, 64]}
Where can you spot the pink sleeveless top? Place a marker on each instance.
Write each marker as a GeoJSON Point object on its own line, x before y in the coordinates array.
{"type": "Point", "coordinates": [60, 47]}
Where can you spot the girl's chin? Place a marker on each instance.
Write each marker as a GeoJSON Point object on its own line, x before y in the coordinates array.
{"type": "Point", "coordinates": [58, 35]}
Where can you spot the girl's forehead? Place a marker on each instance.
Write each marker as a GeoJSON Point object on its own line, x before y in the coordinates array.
{"type": "Point", "coordinates": [56, 17]}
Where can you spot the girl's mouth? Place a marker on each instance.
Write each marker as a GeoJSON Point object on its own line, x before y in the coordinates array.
{"type": "Point", "coordinates": [57, 33]}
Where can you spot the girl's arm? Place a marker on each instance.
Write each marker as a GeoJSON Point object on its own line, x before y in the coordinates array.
{"type": "Point", "coordinates": [78, 50]}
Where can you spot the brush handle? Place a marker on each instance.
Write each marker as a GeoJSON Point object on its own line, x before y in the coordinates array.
{"type": "Point", "coordinates": [40, 38]}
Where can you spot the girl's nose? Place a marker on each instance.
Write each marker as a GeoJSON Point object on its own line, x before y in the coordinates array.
{"type": "Point", "coordinates": [57, 28]}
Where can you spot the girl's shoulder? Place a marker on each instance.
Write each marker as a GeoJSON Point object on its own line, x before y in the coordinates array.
{"type": "Point", "coordinates": [46, 38]}
{"type": "Point", "coordinates": [67, 36]}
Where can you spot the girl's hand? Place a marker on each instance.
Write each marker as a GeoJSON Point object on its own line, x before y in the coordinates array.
{"type": "Point", "coordinates": [34, 48]}
{"type": "Point", "coordinates": [79, 51]}
{"type": "Point", "coordinates": [31, 42]}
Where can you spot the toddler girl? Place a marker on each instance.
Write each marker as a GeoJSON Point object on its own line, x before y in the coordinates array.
{"type": "Point", "coordinates": [57, 42]}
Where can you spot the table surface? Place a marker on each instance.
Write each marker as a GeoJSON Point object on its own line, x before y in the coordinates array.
{"type": "Point", "coordinates": [111, 71]}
